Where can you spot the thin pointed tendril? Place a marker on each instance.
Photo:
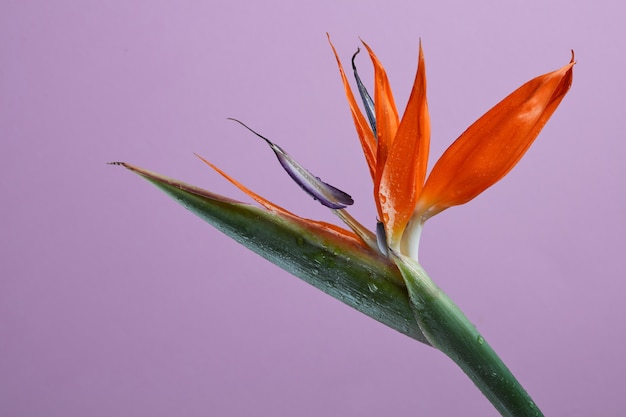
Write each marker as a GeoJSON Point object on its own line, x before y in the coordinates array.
{"type": "Point", "coordinates": [326, 194]}
{"type": "Point", "coordinates": [368, 103]}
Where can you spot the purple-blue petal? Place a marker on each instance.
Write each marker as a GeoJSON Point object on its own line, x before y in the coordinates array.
{"type": "Point", "coordinates": [368, 103]}
{"type": "Point", "coordinates": [326, 194]}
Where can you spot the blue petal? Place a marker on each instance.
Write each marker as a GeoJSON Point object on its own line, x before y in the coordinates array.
{"type": "Point", "coordinates": [326, 194]}
{"type": "Point", "coordinates": [368, 103]}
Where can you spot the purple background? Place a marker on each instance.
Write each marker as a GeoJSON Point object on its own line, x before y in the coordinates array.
{"type": "Point", "coordinates": [114, 301]}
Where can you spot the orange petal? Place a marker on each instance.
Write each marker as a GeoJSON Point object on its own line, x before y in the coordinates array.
{"type": "Point", "coordinates": [405, 169]}
{"type": "Point", "coordinates": [492, 146]}
{"type": "Point", "coordinates": [368, 142]}
{"type": "Point", "coordinates": [276, 208]}
{"type": "Point", "coordinates": [386, 113]}
{"type": "Point", "coordinates": [386, 121]}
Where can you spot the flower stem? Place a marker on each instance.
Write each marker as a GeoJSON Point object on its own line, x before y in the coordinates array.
{"type": "Point", "coordinates": [448, 329]}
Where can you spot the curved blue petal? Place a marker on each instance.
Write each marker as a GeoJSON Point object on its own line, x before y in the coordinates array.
{"type": "Point", "coordinates": [368, 103]}
{"type": "Point", "coordinates": [326, 194]}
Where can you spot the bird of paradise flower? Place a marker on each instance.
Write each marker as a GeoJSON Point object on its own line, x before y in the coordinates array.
{"type": "Point", "coordinates": [398, 292]}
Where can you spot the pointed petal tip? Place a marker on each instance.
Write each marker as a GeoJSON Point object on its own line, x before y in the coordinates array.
{"type": "Point", "coordinates": [369, 49]}
{"type": "Point", "coordinates": [205, 161]}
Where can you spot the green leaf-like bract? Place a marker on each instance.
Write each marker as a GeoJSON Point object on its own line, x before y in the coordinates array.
{"type": "Point", "coordinates": [349, 272]}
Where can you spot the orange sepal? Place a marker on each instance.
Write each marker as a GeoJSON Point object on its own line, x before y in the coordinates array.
{"type": "Point", "coordinates": [492, 146]}
{"type": "Point", "coordinates": [386, 119]}
{"type": "Point", "coordinates": [385, 107]}
{"type": "Point", "coordinates": [405, 168]}
{"type": "Point", "coordinates": [363, 130]}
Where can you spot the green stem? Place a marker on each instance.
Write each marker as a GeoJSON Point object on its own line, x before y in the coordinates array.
{"type": "Point", "coordinates": [448, 329]}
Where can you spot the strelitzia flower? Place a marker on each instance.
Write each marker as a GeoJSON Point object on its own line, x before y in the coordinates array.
{"type": "Point", "coordinates": [378, 273]}
{"type": "Point", "coordinates": [396, 151]}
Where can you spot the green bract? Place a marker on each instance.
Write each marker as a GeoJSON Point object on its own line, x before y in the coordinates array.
{"type": "Point", "coordinates": [361, 278]}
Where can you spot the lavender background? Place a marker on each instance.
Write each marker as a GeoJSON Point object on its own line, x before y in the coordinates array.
{"type": "Point", "coordinates": [114, 301]}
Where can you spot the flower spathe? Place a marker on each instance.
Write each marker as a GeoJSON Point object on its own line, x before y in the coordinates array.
{"type": "Point", "coordinates": [396, 151]}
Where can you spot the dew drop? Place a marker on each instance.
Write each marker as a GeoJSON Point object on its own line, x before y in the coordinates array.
{"type": "Point", "coordinates": [372, 287]}
{"type": "Point", "coordinates": [480, 340]}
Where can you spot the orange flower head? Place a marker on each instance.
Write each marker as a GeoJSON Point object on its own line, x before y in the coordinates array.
{"type": "Point", "coordinates": [396, 150]}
